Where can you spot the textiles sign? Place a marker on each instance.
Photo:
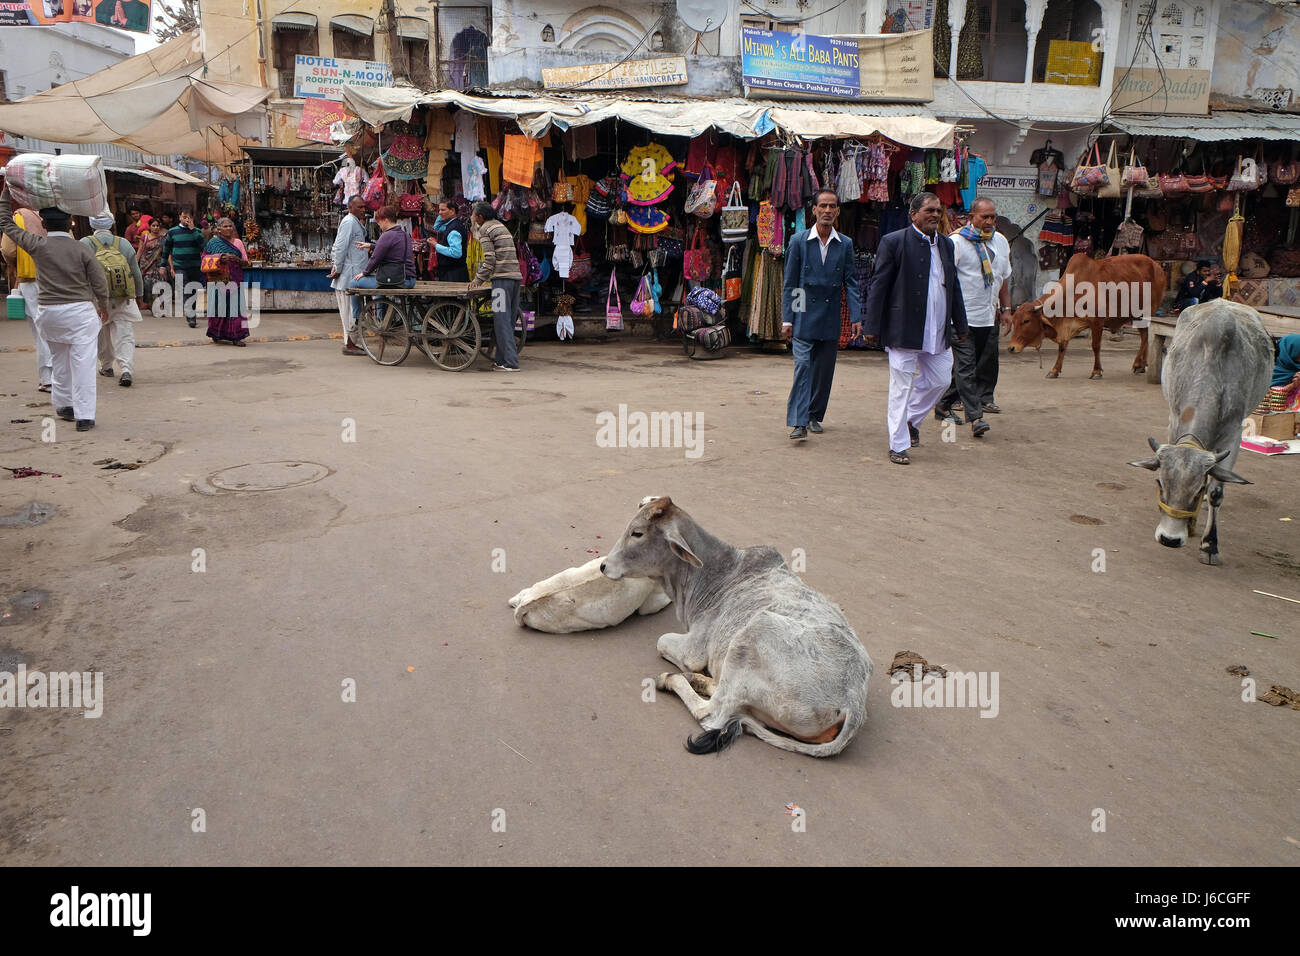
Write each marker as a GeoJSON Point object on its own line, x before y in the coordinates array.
{"type": "Point", "coordinates": [132, 15]}
{"type": "Point", "coordinates": [323, 77]}
{"type": "Point", "coordinates": [891, 67]}
{"type": "Point", "coordinates": [1168, 92]}
{"type": "Point", "coordinates": [663, 71]}
{"type": "Point", "coordinates": [799, 63]}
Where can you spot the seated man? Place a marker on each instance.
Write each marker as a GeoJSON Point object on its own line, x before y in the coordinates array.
{"type": "Point", "coordinates": [1199, 286]}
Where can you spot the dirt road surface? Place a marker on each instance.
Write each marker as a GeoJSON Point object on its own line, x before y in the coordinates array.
{"type": "Point", "coordinates": [374, 562]}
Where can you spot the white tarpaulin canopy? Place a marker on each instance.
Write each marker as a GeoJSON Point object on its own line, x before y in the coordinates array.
{"type": "Point", "coordinates": [668, 115]}
{"type": "Point", "coordinates": [154, 102]}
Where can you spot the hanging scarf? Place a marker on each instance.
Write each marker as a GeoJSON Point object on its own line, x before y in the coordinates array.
{"type": "Point", "coordinates": [981, 240]}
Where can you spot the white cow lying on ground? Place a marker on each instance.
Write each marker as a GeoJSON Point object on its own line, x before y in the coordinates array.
{"type": "Point", "coordinates": [583, 599]}
{"type": "Point", "coordinates": [785, 664]}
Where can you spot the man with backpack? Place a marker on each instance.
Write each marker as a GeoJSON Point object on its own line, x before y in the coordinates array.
{"type": "Point", "coordinates": [74, 302]}
{"type": "Point", "coordinates": [125, 294]}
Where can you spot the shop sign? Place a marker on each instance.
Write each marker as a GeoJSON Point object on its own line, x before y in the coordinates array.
{"type": "Point", "coordinates": [132, 15]}
{"type": "Point", "coordinates": [799, 63]}
{"type": "Point", "coordinates": [318, 116]}
{"type": "Point", "coordinates": [323, 77]}
{"type": "Point", "coordinates": [661, 71]}
{"type": "Point", "coordinates": [1168, 92]}
{"type": "Point", "coordinates": [897, 67]}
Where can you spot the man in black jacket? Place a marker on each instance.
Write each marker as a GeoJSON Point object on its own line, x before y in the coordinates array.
{"type": "Point", "coordinates": [916, 310]}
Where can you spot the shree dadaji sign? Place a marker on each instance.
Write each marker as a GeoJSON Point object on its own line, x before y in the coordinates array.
{"type": "Point", "coordinates": [1173, 92]}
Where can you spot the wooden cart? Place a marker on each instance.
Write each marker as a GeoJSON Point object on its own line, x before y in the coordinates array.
{"type": "Point", "coordinates": [1279, 320]}
{"type": "Point", "coordinates": [440, 318]}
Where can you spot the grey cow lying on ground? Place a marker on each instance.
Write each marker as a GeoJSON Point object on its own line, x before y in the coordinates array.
{"type": "Point", "coordinates": [785, 664]}
{"type": "Point", "coordinates": [1217, 370]}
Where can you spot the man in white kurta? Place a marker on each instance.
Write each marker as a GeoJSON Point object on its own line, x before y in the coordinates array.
{"type": "Point", "coordinates": [348, 258]}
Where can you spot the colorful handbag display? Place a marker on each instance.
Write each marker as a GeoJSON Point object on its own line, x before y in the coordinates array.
{"type": "Point", "coordinates": [1173, 186]}
{"type": "Point", "coordinates": [1246, 176]}
{"type": "Point", "coordinates": [732, 276]}
{"type": "Point", "coordinates": [562, 191]}
{"type": "Point", "coordinates": [373, 194]}
{"type": "Point", "coordinates": [613, 306]}
{"type": "Point", "coordinates": [1110, 189]}
{"type": "Point", "coordinates": [1089, 176]}
{"type": "Point", "coordinates": [1128, 235]}
{"type": "Point", "coordinates": [580, 268]}
{"type": "Point", "coordinates": [1135, 174]}
{"type": "Point", "coordinates": [702, 200]}
{"type": "Point", "coordinates": [735, 217]}
{"type": "Point", "coordinates": [698, 261]}
{"type": "Point", "coordinates": [643, 303]}
{"type": "Point", "coordinates": [690, 319]}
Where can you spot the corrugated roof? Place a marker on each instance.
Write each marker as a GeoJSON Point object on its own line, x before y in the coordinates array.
{"type": "Point", "coordinates": [1220, 125]}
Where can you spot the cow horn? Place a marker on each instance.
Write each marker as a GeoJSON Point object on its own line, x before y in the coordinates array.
{"type": "Point", "coordinates": [1155, 445]}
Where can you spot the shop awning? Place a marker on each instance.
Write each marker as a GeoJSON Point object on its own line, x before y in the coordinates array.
{"type": "Point", "coordinates": [412, 28]}
{"type": "Point", "coordinates": [1219, 125]}
{"type": "Point", "coordinates": [155, 102]}
{"type": "Point", "coordinates": [353, 23]}
{"type": "Point", "coordinates": [294, 21]}
{"type": "Point", "coordinates": [671, 116]}
{"type": "Point", "coordinates": [281, 156]}
{"type": "Point", "coordinates": [182, 178]}
{"type": "Point", "coordinates": [142, 172]}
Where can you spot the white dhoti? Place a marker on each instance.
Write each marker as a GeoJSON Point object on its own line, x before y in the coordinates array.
{"type": "Point", "coordinates": [30, 291]}
{"type": "Point", "coordinates": [117, 337]}
{"type": "Point", "coordinates": [72, 329]}
{"type": "Point", "coordinates": [561, 260]}
{"type": "Point", "coordinates": [349, 306]}
{"type": "Point", "coordinates": [916, 381]}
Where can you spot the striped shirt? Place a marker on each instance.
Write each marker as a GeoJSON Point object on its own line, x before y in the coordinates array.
{"type": "Point", "coordinates": [185, 246]}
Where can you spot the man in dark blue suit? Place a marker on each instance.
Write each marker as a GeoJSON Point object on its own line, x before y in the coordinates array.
{"type": "Point", "coordinates": [916, 309]}
{"type": "Point", "coordinates": [818, 269]}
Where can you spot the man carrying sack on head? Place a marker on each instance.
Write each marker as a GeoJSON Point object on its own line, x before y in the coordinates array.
{"type": "Point", "coordinates": [126, 298]}
{"type": "Point", "coordinates": [74, 304]}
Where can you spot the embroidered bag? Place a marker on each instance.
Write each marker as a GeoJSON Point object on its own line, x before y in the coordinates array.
{"type": "Point", "coordinates": [562, 191]}
{"type": "Point", "coordinates": [732, 276]}
{"type": "Point", "coordinates": [704, 299]}
{"type": "Point", "coordinates": [1088, 176]}
{"type": "Point", "coordinates": [702, 200]}
{"type": "Point", "coordinates": [214, 268]}
{"type": "Point", "coordinates": [643, 303]}
{"type": "Point", "coordinates": [373, 194]}
{"type": "Point", "coordinates": [1293, 197]}
{"type": "Point", "coordinates": [580, 268]}
{"type": "Point", "coordinates": [688, 318]}
{"type": "Point", "coordinates": [613, 306]}
{"type": "Point", "coordinates": [713, 337]}
{"type": "Point", "coordinates": [1128, 235]}
{"type": "Point", "coordinates": [698, 260]}
{"type": "Point", "coordinates": [735, 217]}
{"type": "Point", "coordinates": [1135, 174]}
{"type": "Point", "coordinates": [1110, 189]}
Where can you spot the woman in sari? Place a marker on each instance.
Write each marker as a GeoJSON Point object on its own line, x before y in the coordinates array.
{"type": "Point", "coordinates": [149, 256]}
{"type": "Point", "coordinates": [227, 321]}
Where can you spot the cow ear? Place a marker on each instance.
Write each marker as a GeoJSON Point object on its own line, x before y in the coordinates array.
{"type": "Point", "coordinates": [680, 548]}
{"type": "Point", "coordinates": [1150, 464]}
{"type": "Point", "coordinates": [1228, 477]}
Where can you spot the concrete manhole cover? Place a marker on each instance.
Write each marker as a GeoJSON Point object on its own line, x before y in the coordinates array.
{"type": "Point", "coordinates": [269, 475]}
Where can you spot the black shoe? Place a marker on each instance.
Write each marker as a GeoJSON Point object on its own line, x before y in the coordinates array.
{"type": "Point", "coordinates": [65, 414]}
{"type": "Point", "coordinates": [106, 372]}
{"type": "Point", "coordinates": [978, 428]}
{"type": "Point", "coordinates": [899, 458]}
{"type": "Point", "coordinates": [125, 380]}
{"type": "Point", "coordinates": [815, 426]}
{"type": "Point", "coordinates": [992, 409]}
{"type": "Point", "coordinates": [948, 415]}
{"type": "Point", "coordinates": [800, 432]}
{"type": "Point", "coordinates": [85, 424]}
{"type": "Point", "coordinates": [915, 433]}
{"type": "Point", "coordinates": [194, 323]}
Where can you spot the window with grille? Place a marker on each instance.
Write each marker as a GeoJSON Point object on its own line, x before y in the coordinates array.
{"type": "Point", "coordinates": [287, 44]}
{"type": "Point", "coordinates": [417, 62]}
{"type": "Point", "coordinates": [351, 46]}
{"type": "Point", "coordinates": [464, 35]}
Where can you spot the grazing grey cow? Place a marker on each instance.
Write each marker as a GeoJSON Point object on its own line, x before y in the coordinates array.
{"type": "Point", "coordinates": [1215, 373]}
{"type": "Point", "coordinates": [785, 664]}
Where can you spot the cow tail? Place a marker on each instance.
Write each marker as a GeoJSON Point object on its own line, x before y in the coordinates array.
{"type": "Point", "coordinates": [716, 741]}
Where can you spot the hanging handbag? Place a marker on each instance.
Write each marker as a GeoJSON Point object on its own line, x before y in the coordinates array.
{"type": "Point", "coordinates": [580, 268]}
{"type": "Point", "coordinates": [698, 261]}
{"type": "Point", "coordinates": [1198, 183]}
{"type": "Point", "coordinates": [1089, 176]}
{"type": "Point", "coordinates": [1285, 172]}
{"type": "Point", "coordinates": [732, 275]}
{"type": "Point", "coordinates": [214, 267]}
{"type": "Point", "coordinates": [672, 248]}
{"type": "Point", "coordinates": [613, 306]}
{"type": "Point", "coordinates": [735, 217]}
{"type": "Point", "coordinates": [643, 303]}
{"type": "Point", "coordinates": [1135, 174]}
{"type": "Point", "coordinates": [1173, 186]}
{"type": "Point", "coordinates": [1128, 235]}
{"type": "Point", "coordinates": [1110, 189]}
{"type": "Point", "coordinates": [562, 191]}
{"type": "Point", "coordinates": [702, 200]}
{"type": "Point", "coordinates": [373, 194]}
{"type": "Point", "coordinates": [1293, 197]}
{"type": "Point", "coordinates": [1243, 179]}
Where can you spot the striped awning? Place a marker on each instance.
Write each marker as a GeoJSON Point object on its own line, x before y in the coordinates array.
{"type": "Point", "coordinates": [294, 21]}
{"type": "Point", "coordinates": [354, 23]}
{"type": "Point", "coordinates": [412, 28]}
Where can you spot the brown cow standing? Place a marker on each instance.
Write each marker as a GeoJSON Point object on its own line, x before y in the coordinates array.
{"type": "Point", "coordinates": [1093, 294]}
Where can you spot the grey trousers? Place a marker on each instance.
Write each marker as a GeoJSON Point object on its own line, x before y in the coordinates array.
{"type": "Point", "coordinates": [505, 294]}
{"type": "Point", "coordinates": [814, 371]}
{"type": "Point", "coordinates": [974, 371]}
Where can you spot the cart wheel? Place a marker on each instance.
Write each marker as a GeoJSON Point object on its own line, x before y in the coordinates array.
{"type": "Point", "coordinates": [451, 336]}
{"type": "Point", "coordinates": [385, 331]}
{"type": "Point", "coordinates": [488, 348]}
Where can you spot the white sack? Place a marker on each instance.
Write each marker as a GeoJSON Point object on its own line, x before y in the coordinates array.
{"type": "Point", "coordinates": [73, 183]}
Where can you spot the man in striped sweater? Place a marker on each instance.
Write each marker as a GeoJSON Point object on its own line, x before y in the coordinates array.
{"type": "Point", "coordinates": [500, 266]}
{"type": "Point", "coordinates": [182, 251]}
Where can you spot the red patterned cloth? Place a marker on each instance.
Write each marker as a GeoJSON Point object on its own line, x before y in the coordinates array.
{"type": "Point", "coordinates": [846, 328]}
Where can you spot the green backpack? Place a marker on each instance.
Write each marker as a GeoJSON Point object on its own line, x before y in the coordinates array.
{"type": "Point", "coordinates": [121, 284]}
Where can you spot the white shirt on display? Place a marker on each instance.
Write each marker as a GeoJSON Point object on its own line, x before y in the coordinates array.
{"type": "Point", "coordinates": [563, 228]}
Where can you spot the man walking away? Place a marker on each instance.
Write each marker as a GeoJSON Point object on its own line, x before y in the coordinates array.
{"type": "Point", "coordinates": [500, 266]}
{"type": "Point", "coordinates": [348, 258]}
{"type": "Point", "coordinates": [983, 258]}
{"type": "Point", "coordinates": [816, 276]}
{"type": "Point", "coordinates": [125, 285]}
{"type": "Point", "coordinates": [182, 255]}
{"type": "Point", "coordinates": [29, 288]}
{"type": "Point", "coordinates": [74, 303]}
{"type": "Point", "coordinates": [915, 309]}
